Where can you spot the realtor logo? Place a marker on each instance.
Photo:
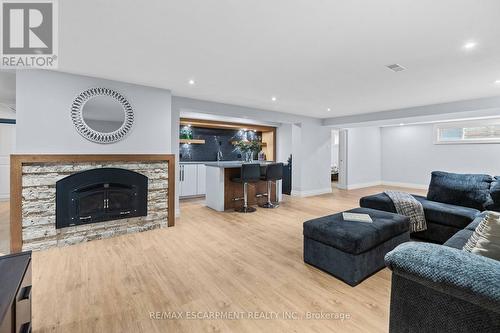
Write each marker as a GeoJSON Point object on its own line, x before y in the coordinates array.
{"type": "Point", "coordinates": [29, 33]}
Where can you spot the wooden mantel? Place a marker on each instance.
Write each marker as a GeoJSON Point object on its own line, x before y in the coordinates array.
{"type": "Point", "coordinates": [17, 162]}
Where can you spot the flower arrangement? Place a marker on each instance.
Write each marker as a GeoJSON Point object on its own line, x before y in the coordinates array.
{"type": "Point", "coordinates": [186, 133]}
{"type": "Point", "coordinates": [246, 146]}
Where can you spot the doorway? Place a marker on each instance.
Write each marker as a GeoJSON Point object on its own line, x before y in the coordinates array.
{"type": "Point", "coordinates": [7, 143]}
{"type": "Point", "coordinates": [342, 159]}
{"type": "Point", "coordinates": [335, 158]}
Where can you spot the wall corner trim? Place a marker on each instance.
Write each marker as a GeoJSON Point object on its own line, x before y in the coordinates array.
{"type": "Point", "coordinates": [408, 185]}
{"type": "Point", "coordinates": [310, 193]}
{"type": "Point", "coordinates": [363, 185]}
{"type": "Point", "coordinates": [386, 183]}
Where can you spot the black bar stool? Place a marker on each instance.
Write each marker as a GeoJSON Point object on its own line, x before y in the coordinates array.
{"type": "Point", "coordinates": [274, 172]}
{"type": "Point", "coordinates": [250, 173]}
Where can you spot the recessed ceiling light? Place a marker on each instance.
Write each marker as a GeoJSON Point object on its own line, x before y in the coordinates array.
{"type": "Point", "coordinates": [401, 124]}
{"type": "Point", "coordinates": [273, 98]}
{"type": "Point", "coordinates": [470, 45]}
{"type": "Point", "coordinates": [191, 82]}
{"type": "Point", "coordinates": [497, 82]}
{"type": "Point", "coordinates": [328, 109]}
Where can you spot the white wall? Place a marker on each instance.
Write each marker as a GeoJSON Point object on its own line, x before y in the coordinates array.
{"type": "Point", "coordinates": [363, 157]}
{"type": "Point", "coordinates": [7, 144]}
{"type": "Point", "coordinates": [283, 142]}
{"type": "Point", "coordinates": [296, 157]}
{"type": "Point", "coordinates": [409, 155]}
{"type": "Point", "coordinates": [335, 149]}
{"type": "Point", "coordinates": [44, 124]}
{"type": "Point", "coordinates": [174, 139]}
{"type": "Point", "coordinates": [314, 159]}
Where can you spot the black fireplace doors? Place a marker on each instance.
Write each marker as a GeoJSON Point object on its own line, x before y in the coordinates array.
{"type": "Point", "coordinates": [100, 195]}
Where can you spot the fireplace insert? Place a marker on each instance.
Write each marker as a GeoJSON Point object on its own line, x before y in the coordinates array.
{"type": "Point", "coordinates": [100, 195]}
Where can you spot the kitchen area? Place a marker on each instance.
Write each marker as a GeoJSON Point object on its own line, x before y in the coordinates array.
{"type": "Point", "coordinates": [211, 152]}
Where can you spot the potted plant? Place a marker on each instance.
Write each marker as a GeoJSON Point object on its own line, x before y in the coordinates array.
{"type": "Point", "coordinates": [186, 133]}
{"type": "Point", "coordinates": [248, 148]}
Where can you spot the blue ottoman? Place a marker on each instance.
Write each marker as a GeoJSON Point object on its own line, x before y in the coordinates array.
{"type": "Point", "coordinates": [352, 251]}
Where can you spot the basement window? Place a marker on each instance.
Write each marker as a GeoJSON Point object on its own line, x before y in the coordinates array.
{"type": "Point", "coordinates": [482, 131]}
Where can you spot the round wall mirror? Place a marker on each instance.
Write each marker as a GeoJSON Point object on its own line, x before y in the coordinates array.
{"type": "Point", "coordinates": [102, 115]}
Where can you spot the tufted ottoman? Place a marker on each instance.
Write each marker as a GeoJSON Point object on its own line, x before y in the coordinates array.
{"type": "Point", "coordinates": [350, 250]}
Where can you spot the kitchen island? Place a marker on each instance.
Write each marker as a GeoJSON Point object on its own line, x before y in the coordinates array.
{"type": "Point", "coordinates": [221, 191]}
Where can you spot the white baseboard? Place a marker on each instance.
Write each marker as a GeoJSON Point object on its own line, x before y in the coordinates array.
{"type": "Point", "coordinates": [363, 185]}
{"type": "Point", "coordinates": [177, 212]}
{"type": "Point", "coordinates": [409, 185]}
{"type": "Point", "coordinates": [4, 197]}
{"type": "Point", "coordinates": [310, 193]}
{"type": "Point", "coordinates": [386, 183]}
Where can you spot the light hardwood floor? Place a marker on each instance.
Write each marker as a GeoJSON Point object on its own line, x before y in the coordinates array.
{"type": "Point", "coordinates": [209, 261]}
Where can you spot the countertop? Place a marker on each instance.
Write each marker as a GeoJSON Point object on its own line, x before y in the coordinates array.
{"type": "Point", "coordinates": [233, 164]}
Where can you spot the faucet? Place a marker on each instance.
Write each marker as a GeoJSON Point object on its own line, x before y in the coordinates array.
{"type": "Point", "coordinates": [220, 156]}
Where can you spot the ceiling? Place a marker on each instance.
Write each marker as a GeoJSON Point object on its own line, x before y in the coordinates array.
{"type": "Point", "coordinates": [310, 54]}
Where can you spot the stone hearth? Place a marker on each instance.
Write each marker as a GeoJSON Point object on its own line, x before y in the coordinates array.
{"type": "Point", "coordinates": [39, 204]}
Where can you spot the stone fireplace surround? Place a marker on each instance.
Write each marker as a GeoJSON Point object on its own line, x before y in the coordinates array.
{"type": "Point", "coordinates": [33, 198]}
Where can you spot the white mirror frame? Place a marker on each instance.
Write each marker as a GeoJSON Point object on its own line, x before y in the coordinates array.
{"type": "Point", "coordinates": [95, 136]}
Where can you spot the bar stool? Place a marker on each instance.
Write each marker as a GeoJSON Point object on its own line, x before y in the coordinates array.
{"type": "Point", "coordinates": [249, 173]}
{"type": "Point", "coordinates": [274, 172]}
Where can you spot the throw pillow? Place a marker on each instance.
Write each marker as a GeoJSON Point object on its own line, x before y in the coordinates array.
{"type": "Point", "coordinates": [485, 241]}
{"type": "Point", "coordinates": [495, 195]}
{"type": "Point", "coordinates": [468, 190]}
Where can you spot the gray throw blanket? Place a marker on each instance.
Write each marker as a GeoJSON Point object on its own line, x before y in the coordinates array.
{"type": "Point", "coordinates": [408, 206]}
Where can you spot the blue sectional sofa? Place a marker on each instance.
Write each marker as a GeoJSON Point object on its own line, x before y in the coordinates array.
{"type": "Point", "coordinates": [452, 203]}
{"type": "Point", "coordinates": [441, 288]}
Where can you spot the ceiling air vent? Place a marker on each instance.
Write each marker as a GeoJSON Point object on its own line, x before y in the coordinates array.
{"type": "Point", "coordinates": [396, 67]}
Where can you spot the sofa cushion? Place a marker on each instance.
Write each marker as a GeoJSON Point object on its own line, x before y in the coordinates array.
{"type": "Point", "coordinates": [473, 225]}
{"type": "Point", "coordinates": [380, 201]}
{"type": "Point", "coordinates": [447, 214]}
{"type": "Point", "coordinates": [436, 233]}
{"type": "Point", "coordinates": [459, 239]}
{"type": "Point", "coordinates": [485, 240]}
{"type": "Point", "coordinates": [356, 237]}
{"type": "Point", "coordinates": [468, 190]}
{"type": "Point", "coordinates": [495, 195]}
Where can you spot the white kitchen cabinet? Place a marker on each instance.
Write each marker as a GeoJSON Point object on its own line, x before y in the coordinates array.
{"type": "Point", "coordinates": [202, 182]}
{"type": "Point", "coordinates": [192, 180]}
{"type": "Point", "coordinates": [188, 180]}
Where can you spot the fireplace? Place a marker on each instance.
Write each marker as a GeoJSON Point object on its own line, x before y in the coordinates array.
{"type": "Point", "coordinates": [100, 195]}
